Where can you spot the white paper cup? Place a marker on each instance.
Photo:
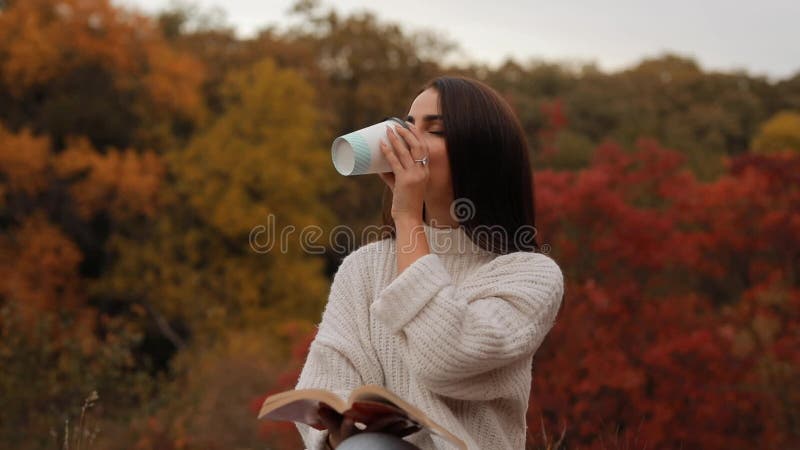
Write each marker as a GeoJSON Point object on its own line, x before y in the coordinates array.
{"type": "Point", "coordinates": [359, 152]}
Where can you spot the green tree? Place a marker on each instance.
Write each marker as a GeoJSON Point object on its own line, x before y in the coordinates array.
{"type": "Point", "coordinates": [704, 115]}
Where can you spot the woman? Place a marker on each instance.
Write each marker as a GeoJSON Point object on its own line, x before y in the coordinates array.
{"type": "Point", "coordinates": [448, 311]}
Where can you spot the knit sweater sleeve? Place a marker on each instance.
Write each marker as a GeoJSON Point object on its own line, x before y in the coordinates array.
{"type": "Point", "coordinates": [325, 368]}
{"type": "Point", "coordinates": [457, 339]}
{"type": "Point", "coordinates": [339, 357]}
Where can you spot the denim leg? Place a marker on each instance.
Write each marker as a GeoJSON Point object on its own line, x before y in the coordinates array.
{"type": "Point", "coordinates": [375, 441]}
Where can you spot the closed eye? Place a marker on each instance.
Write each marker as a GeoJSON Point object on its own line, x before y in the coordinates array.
{"type": "Point", "coordinates": [438, 133]}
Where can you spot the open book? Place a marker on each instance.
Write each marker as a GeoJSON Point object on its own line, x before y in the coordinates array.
{"type": "Point", "coordinates": [366, 403]}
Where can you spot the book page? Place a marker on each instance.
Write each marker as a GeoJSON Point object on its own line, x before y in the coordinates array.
{"type": "Point", "coordinates": [300, 405]}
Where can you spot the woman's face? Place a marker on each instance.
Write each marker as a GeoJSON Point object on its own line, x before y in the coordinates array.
{"type": "Point", "coordinates": [426, 115]}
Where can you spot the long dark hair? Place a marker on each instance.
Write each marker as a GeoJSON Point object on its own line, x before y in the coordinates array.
{"type": "Point", "coordinates": [491, 173]}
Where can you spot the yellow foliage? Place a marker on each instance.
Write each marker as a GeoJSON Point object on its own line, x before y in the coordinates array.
{"type": "Point", "coordinates": [262, 156]}
{"type": "Point", "coordinates": [781, 132]}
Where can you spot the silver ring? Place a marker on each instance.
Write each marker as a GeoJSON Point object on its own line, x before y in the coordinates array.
{"type": "Point", "coordinates": [423, 161]}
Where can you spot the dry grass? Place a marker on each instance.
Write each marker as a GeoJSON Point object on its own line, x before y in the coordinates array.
{"type": "Point", "coordinates": [83, 435]}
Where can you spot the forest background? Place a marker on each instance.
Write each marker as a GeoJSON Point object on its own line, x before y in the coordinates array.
{"type": "Point", "coordinates": [138, 152]}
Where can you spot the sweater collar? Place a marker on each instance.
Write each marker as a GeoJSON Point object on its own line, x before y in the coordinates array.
{"type": "Point", "coordinates": [451, 241]}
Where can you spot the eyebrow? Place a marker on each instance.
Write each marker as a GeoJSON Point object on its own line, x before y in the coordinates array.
{"type": "Point", "coordinates": [425, 118]}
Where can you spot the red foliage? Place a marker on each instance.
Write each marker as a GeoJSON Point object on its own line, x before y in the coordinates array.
{"type": "Point", "coordinates": [680, 319]}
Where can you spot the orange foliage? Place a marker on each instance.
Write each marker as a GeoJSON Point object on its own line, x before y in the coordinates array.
{"type": "Point", "coordinates": [23, 161]}
{"type": "Point", "coordinates": [39, 269]}
{"type": "Point", "coordinates": [125, 182]}
{"type": "Point", "coordinates": [42, 39]}
{"type": "Point", "coordinates": [40, 263]}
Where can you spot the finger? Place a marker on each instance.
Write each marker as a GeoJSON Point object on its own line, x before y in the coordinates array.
{"type": "Point", "coordinates": [332, 422]}
{"type": "Point", "coordinates": [393, 425]}
{"type": "Point", "coordinates": [415, 143]}
{"type": "Point", "coordinates": [407, 430]}
{"type": "Point", "coordinates": [388, 178]}
{"type": "Point", "coordinates": [391, 157]}
{"type": "Point", "coordinates": [348, 428]}
{"type": "Point", "coordinates": [381, 423]}
{"type": "Point", "coordinates": [400, 148]}
{"type": "Point", "coordinates": [421, 138]}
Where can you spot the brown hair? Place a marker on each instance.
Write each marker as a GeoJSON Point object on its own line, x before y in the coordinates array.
{"type": "Point", "coordinates": [489, 164]}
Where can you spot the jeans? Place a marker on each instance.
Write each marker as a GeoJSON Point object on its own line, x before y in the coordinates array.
{"type": "Point", "coordinates": [377, 441]}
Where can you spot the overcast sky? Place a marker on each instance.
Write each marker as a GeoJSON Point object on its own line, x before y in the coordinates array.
{"type": "Point", "coordinates": [760, 37]}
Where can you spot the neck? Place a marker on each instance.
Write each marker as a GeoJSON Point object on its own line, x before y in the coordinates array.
{"type": "Point", "coordinates": [451, 241]}
{"type": "Point", "coordinates": [438, 216]}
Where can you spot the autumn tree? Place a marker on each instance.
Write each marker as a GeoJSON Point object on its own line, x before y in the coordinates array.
{"type": "Point", "coordinates": [88, 68]}
{"type": "Point", "coordinates": [85, 88]}
{"type": "Point", "coordinates": [679, 309]}
{"type": "Point", "coordinates": [363, 68]}
{"type": "Point", "coordinates": [781, 132]}
{"type": "Point", "coordinates": [704, 115]}
{"type": "Point", "coordinates": [261, 158]}
{"type": "Point", "coordinates": [57, 344]}
{"type": "Point", "coordinates": [139, 154]}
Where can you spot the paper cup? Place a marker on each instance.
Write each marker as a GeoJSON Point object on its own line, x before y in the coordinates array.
{"type": "Point", "coordinates": [359, 152]}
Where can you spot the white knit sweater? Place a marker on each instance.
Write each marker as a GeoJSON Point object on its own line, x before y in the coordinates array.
{"type": "Point", "coordinates": [453, 334]}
